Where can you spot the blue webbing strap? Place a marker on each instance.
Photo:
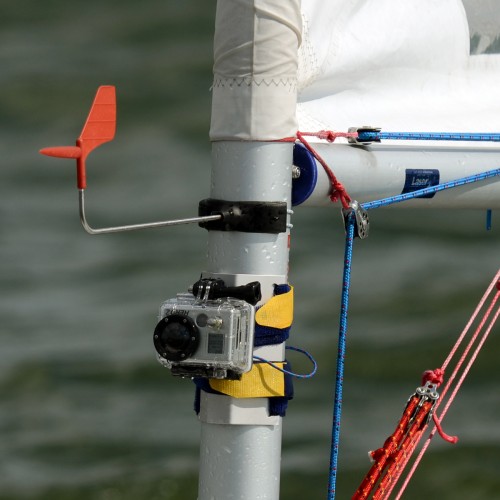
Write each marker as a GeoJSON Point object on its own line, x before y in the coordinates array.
{"type": "Point", "coordinates": [337, 406]}
{"type": "Point", "coordinates": [369, 136]}
{"type": "Point", "coordinates": [267, 335]}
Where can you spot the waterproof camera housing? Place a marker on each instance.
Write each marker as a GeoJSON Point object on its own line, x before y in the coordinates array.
{"type": "Point", "coordinates": [205, 338]}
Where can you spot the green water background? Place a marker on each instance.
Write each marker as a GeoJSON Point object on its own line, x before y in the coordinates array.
{"type": "Point", "coordinates": [85, 410]}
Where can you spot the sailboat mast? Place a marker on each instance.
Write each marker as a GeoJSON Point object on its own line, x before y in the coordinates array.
{"type": "Point", "coordinates": [253, 106]}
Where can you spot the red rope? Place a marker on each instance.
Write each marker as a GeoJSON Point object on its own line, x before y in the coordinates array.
{"type": "Point", "coordinates": [494, 284]}
{"type": "Point", "coordinates": [433, 376]}
{"type": "Point", "coordinates": [338, 191]}
{"type": "Point", "coordinates": [330, 135]}
{"type": "Point", "coordinates": [325, 135]}
{"type": "Point", "coordinates": [436, 377]}
{"type": "Point", "coordinates": [403, 455]}
{"type": "Point", "coordinates": [383, 455]}
{"type": "Point", "coordinates": [393, 457]}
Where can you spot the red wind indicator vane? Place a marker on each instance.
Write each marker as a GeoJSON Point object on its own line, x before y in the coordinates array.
{"type": "Point", "coordinates": [99, 128]}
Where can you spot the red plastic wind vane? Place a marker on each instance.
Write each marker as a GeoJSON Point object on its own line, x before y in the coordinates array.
{"type": "Point", "coordinates": [99, 128]}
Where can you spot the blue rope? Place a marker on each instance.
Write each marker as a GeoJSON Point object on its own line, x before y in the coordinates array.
{"type": "Point", "coordinates": [350, 232]}
{"type": "Point", "coordinates": [431, 189]}
{"type": "Point", "coordinates": [369, 136]}
{"type": "Point", "coordinates": [337, 409]}
{"type": "Point", "coordinates": [293, 374]}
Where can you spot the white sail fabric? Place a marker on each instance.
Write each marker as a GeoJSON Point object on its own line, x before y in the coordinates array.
{"type": "Point", "coordinates": [255, 69]}
{"type": "Point", "coordinates": [402, 66]}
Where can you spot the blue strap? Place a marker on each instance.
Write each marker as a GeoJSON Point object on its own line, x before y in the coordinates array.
{"type": "Point", "coordinates": [337, 408]}
{"type": "Point", "coordinates": [267, 335]}
{"type": "Point", "coordinates": [277, 405]}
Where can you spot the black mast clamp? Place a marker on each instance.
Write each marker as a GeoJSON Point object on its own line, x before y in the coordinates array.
{"type": "Point", "coordinates": [245, 216]}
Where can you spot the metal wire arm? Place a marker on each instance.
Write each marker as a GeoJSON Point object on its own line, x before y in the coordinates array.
{"type": "Point", "coordinates": [133, 227]}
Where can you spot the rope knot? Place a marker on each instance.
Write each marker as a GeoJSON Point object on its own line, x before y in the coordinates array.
{"type": "Point", "coordinates": [436, 377]}
{"type": "Point", "coordinates": [339, 193]}
{"type": "Point", "coordinates": [331, 136]}
{"type": "Point", "coordinates": [433, 376]}
{"type": "Point", "coordinates": [327, 135]}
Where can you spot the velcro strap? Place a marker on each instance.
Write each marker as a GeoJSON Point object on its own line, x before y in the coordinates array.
{"type": "Point", "coordinates": [277, 312]}
{"type": "Point", "coordinates": [262, 381]}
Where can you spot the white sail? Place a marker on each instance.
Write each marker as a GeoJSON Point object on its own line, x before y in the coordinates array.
{"type": "Point", "coordinates": [254, 91]}
{"type": "Point", "coordinates": [396, 65]}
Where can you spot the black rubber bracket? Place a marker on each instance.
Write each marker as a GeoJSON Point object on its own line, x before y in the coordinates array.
{"type": "Point", "coordinates": [245, 216]}
{"type": "Point", "coordinates": [215, 288]}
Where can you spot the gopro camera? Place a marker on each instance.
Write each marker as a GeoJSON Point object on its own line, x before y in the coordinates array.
{"type": "Point", "coordinates": [205, 337]}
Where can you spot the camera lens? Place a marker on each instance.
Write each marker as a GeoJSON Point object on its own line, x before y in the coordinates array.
{"type": "Point", "coordinates": [176, 337]}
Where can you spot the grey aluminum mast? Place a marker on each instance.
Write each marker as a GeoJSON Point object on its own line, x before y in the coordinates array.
{"type": "Point", "coordinates": [254, 100]}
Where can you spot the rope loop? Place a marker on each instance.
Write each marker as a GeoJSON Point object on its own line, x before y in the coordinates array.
{"type": "Point", "coordinates": [288, 372]}
{"type": "Point", "coordinates": [442, 434]}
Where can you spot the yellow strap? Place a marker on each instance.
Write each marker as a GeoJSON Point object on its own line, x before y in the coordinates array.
{"type": "Point", "coordinates": [277, 312]}
{"type": "Point", "coordinates": [262, 381]}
